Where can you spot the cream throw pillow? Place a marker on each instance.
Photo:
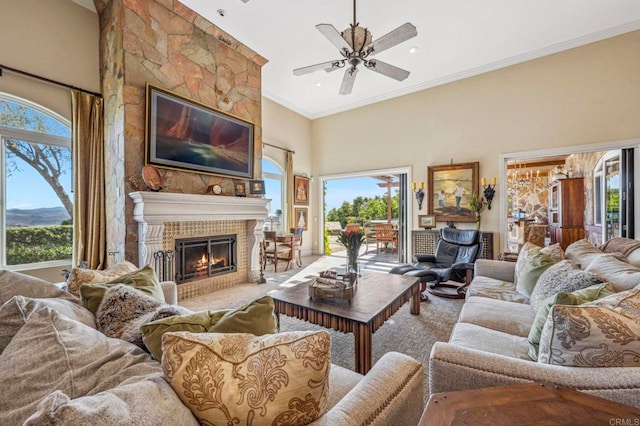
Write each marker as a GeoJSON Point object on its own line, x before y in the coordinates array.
{"type": "Point", "coordinates": [80, 276]}
{"type": "Point", "coordinates": [582, 253]}
{"type": "Point", "coordinates": [621, 274]}
{"type": "Point", "coordinates": [603, 333]}
{"type": "Point", "coordinates": [243, 379]}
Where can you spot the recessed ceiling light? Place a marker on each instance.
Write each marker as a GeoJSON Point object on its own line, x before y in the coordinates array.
{"type": "Point", "coordinates": [221, 12]}
{"type": "Point", "coordinates": [318, 84]}
{"type": "Point", "coordinates": [414, 49]}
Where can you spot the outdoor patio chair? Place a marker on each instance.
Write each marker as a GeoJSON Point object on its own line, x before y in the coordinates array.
{"type": "Point", "coordinates": [353, 227]}
{"type": "Point", "coordinates": [385, 234]}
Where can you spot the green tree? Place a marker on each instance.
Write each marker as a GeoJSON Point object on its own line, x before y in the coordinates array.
{"type": "Point", "coordinates": [49, 161]}
{"type": "Point", "coordinates": [364, 208]}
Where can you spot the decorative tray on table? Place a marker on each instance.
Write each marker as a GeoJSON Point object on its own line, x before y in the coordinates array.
{"type": "Point", "coordinates": [331, 285]}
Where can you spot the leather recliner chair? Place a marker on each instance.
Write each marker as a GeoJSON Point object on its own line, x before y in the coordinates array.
{"type": "Point", "coordinates": [455, 254]}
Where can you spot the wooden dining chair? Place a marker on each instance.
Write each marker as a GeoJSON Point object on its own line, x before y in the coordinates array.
{"type": "Point", "coordinates": [385, 234]}
{"type": "Point", "coordinates": [274, 250]}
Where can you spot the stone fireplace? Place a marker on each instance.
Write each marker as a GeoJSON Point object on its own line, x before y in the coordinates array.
{"type": "Point", "coordinates": [167, 218]}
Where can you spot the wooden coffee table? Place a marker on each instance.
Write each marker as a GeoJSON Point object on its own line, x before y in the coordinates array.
{"type": "Point", "coordinates": [525, 404]}
{"type": "Point", "coordinates": [377, 297]}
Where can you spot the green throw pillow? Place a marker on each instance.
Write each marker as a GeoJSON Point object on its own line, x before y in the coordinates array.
{"type": "Point", "coordinates": [143, 279]}
{"type": "Point", "coordinates": [256, 317]}
{"type": "Point", "coordinates": [577, 297]}
{"type": "Point", "coordinates": [535, 264]}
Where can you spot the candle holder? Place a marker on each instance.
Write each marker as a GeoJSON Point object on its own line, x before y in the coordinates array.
{"type": "Point", "coordinates": [489, 192]}
{"type": "Point", "coordinates": [419, 197]}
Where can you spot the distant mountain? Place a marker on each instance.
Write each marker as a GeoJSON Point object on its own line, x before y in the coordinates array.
{"type": "Point", "coordinates": [36, 217]}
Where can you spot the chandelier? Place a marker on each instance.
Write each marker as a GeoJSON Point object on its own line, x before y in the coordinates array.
{"type": "Point", "coordinates": [518, 180]}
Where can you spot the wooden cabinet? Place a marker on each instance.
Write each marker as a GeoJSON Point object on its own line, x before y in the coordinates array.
{"type": "Point", "coordinates": [566, 211]}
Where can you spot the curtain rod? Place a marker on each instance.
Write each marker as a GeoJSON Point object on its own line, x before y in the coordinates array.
{"type": "Point", "coordinates": [277, 147]}
{"type": "Point", "coordinates": [46, 80]}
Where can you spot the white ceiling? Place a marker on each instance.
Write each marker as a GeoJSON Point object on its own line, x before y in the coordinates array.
{"type": "Point", "coordinates": [456, 39]}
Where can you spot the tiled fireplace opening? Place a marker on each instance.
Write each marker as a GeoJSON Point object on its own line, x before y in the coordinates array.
{"type": "Point", "coordinates": [204, 257]}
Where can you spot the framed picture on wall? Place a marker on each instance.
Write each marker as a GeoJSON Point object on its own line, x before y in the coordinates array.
{"type": "Point", "coordinates": [239, 189]}
{"type": "Point", "coordinates": [301, 217]}
{"type": "Point", "coordinates": [301, 190]}
{"type": "Point", "coordinates": [185, 135]}
{"type": "Point", "coordinates": [256, 187]}
{"type": "Point", "coordinates": [426, 221]}
{"type": "Point", "coordinates": [451, 187]}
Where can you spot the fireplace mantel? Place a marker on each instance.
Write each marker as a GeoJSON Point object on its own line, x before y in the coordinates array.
{"type": "Point", "coordinates": [160, 207]}
{"type": "Point", "coordinates": [153, 209]}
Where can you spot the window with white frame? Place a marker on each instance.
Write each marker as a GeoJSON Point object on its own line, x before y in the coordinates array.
{"type": "Point", "coordinates": [35, 186]}
{"type": "Point", "coordinates": [273, 177]}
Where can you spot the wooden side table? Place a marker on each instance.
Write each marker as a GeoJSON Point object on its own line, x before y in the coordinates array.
{"type": "Point", "coordinates": [525, 404]}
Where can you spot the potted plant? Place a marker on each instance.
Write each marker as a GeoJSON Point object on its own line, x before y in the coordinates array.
{"type": "Point", "coordinates": [352, 241]}
{"type": "Point", "coordinates": [477, 205]}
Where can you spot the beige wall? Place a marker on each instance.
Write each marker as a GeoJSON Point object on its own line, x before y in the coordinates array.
{"type": "Point", "coordinates": [581, 96]}
{"type": "Point", "coordinates": [56, 39]}
{"type": "Point", "coordinates": [286, 129]}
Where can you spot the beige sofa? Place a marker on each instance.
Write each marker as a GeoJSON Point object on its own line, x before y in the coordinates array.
{"type": "Point", "coordinates": [111, 381]}
{"type": "Point", "coordinates": [489, 347]}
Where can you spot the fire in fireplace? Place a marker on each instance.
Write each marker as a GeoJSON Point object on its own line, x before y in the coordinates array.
{"type": "Point", "coordinates": [203, 257]}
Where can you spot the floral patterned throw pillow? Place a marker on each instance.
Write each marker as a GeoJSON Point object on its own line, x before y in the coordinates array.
{"type": "Point", "coordinates": [603, 333]}
{"type": "Point", "coordinates": [238, 379]}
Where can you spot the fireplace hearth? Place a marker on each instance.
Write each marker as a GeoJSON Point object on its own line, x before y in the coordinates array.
{"type": "Point", "coordinates": [204, 257]}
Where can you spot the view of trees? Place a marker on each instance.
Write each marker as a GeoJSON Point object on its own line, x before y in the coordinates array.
{"type": "Point", "coordinates": [363, 209]}
{"type": "Point", "coordinates": [51, 162]}
{"type": "Point", "coordinates": [33, 241]}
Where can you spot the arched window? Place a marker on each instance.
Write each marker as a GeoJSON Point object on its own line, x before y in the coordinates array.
{"type": "Point", "coordinates": [35, 186]}
{"type": "Point", "coordinates": [273, 177]}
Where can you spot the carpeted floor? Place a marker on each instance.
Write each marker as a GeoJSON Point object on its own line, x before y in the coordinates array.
{"type": "Point", "coordinates": [410, 334]}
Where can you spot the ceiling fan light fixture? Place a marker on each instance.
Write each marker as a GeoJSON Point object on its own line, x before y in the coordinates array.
{"type": "Point", "coordinates": [357, 37]}
{"type": "Point", "coordinates": [356, 46]}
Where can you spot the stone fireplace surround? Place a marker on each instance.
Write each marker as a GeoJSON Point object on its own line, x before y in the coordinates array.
{"type": "Point", "coordinates": [162, 217]}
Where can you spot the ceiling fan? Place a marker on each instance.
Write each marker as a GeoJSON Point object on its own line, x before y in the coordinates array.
{"type": "Point", "coordinates": [356, 46]}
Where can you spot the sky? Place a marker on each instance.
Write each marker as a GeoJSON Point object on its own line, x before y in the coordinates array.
{"type": "Point", "coordinates": [341, 190]}
{"type": "Point", "coordinates": [26, 189]}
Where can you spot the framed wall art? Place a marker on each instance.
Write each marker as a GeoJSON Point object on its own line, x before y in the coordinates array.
{"type": "Point", "coordinates": [301, 217]}
{"type": "Point", "coordinates": [186, 135]}
{"type": "Point", "coordinates": [256, 187]}
{"type": "Point", "coordinates": [301, 190]}
{"type": "Point", "coordinates": [451, 187]}
{"type": "Point", "coordinates": [239, 189]}
{"type": "Point", "coordinates": [426, 221]}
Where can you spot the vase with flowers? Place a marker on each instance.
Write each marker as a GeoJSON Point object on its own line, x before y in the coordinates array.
{"type": "Point", "coordinates": [477, 205]}
{"type": "Point", "coordinates": [352, 241]}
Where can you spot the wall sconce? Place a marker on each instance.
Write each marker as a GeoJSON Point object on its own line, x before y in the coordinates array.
{"type": "Point", "coordinates": [489, 191]}
{"type": "Point", "coordinates": [419, 194]}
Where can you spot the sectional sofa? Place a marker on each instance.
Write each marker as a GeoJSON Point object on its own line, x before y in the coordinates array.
{"type": "Point", "coordinates": [57, 368]}
{"type": "Point", "coordinates": [490, 345]}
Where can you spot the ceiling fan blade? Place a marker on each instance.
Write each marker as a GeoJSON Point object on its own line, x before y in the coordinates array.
{"type": "Point", "coordinates": [348, 80]}
{"type": "Point", "coordinates": [387, 69]}
{"type": "Point", "coordinates": [327, 66]}
{"type": "Point", "coordinates": [402, 33]}
{"type": "Point", "coordinates": [330, 32]}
